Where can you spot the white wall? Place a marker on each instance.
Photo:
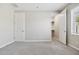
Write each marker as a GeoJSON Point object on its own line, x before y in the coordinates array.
{"type": "Point", "coordinates": [6, 24]}
{"type": "Point", "coordinates": [38, 26]}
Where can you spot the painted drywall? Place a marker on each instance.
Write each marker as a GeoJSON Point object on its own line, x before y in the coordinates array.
{"type": "Point", "coordinates": [6, 24]}
{"type": "Point", "coordinates": [73, 40]}
{"type": "Point", "coordinates": [38, 26]}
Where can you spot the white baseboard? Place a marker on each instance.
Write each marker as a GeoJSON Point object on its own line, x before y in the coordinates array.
{"type": "Point", "coordinates": [73, 47]}
{"type": "Point", "coordinates": [33, 40]}
{"type": "Point", "coordinates": [6, 44]}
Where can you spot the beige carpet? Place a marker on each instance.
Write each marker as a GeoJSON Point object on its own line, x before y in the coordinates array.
{"type": "Point", "coordinates": [38, 48]}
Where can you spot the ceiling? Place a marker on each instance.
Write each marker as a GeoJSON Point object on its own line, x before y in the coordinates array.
{"type": "Point", "coordinates": [39, 6]}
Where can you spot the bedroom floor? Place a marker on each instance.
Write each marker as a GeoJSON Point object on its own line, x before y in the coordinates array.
{"type": "Point", "coordinates": [38, 48]}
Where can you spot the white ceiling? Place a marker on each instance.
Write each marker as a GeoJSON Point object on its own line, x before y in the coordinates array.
{"type": "Point", "coordinates": [39, 6]}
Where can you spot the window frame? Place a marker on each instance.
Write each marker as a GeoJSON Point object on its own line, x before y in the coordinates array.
{"type": "Point", "coordinates": [73, 20]}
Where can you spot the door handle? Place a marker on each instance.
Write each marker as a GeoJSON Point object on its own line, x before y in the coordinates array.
{"type": "Point", "coordinates": [64, 31]}
{"type": "Point", "coordinates": [22, 30]}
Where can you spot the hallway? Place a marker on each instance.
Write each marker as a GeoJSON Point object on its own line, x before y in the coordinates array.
{"type": "Point", "coordinates": [38, 48]}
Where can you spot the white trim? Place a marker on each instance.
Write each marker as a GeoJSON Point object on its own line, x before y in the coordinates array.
{"type": "Point", "coordinates": [33, 40]}
{"type": "Point", "coordinates": [73, 47]}
{"type": "Point", "coordinates": [75, 34]}
{"type": "Point", "coordinates": [73, 28]}
{"type": "Point", "coordinates": [6, 44]}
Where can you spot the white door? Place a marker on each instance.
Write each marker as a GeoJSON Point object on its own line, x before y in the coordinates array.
{"type": "Point", "coordinates": [19, 25]}
{"type": "Point", "coordinates": [62, 27]}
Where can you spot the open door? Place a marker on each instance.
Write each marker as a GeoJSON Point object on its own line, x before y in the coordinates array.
{"type": "Point", "coordinates": [62, 27]}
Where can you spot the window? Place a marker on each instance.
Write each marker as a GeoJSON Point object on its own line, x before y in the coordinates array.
{"type": "Point", "coordinates": [75, 21]}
